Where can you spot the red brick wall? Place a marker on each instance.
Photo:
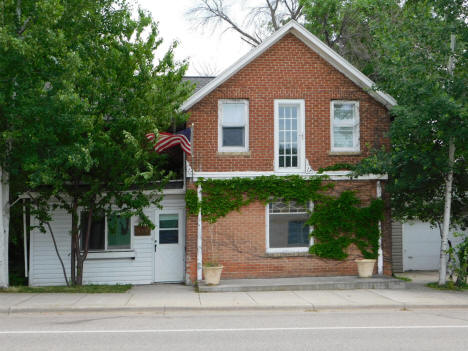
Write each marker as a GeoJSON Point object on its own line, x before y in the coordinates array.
{"type": "Point", "coordinates": [238, 241]}
{"type": "Point", "coordinates": [288, 70]}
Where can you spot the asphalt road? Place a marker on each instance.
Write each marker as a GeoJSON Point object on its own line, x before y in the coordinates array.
{"type": "Point", "coordinates": [352, 330]}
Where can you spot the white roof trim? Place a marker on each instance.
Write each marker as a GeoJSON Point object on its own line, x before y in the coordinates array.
{"type": "Point", "coordinates": [312, 42]}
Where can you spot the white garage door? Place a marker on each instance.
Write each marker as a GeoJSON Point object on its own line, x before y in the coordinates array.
{"type": "Point", "coordinates": [421, 246]}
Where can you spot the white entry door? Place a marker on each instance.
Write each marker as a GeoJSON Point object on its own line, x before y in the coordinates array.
{"type": "Point", "coordinates": [169, 244]}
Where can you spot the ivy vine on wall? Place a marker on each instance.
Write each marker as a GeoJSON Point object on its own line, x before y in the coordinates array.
{"type": "Point", "coordinates": [337, 221]}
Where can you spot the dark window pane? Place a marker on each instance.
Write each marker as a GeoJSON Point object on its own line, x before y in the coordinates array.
{"type": "Point", "coordinates": [298, 233]}
{"type": "Point", "coordinates": [294, 161]}
{"type": "Point", "coordinates": [233, 136]}
{"type": "Point", "coordinates": [169, 236]}
{"type": "Point", "coordinates": [97, 234]}
{"type": "Point", "coordinates": [281, 161]}
{"type": "Point", "coordinates": [118, 233]}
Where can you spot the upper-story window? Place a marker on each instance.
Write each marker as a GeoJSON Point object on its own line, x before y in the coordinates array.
{"type": "Point", "coordinates": [345, 126]}
{"type": "Point", "coordinates": [233, 125]}
{"type": "Point", "coordinates": [289, 135]}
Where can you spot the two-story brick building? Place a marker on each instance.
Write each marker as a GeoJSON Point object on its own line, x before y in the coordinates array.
{"type": "Point", "coordinates": [290, 106]}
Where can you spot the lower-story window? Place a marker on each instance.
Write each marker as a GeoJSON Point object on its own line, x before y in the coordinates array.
{"type": "Point", "coordinates": [113, 235]}
{"type": "Point", "coordinates": [287, 228]}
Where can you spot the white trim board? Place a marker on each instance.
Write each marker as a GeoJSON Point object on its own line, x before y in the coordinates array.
{"type": "Point", "coordinates": [333, 175]}
{"type": "Point", "coordinates": [314, 44]}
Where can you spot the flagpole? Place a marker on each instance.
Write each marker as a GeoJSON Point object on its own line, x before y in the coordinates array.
{"type": "Point", "coordinates": [192, 130]}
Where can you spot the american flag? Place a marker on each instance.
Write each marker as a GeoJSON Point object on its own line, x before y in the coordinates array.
{"type": "Point", "coordinates": [167, 140]}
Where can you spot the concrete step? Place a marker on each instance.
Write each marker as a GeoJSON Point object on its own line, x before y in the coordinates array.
{"type": "Point", "coordinates": [304, 283]}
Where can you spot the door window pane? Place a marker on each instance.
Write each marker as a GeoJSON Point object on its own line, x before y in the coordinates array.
{"type": "Point", "coordinates": [168, 229]}
{"type": "Point", "coordinates": [118, 233]}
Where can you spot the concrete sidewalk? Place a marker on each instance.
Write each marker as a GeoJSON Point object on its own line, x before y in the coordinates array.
{"type": "Point", "coordinates": [162, 298]}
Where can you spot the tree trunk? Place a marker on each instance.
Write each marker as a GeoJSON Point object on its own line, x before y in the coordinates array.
{"type": "Point", "coordinates": [448, 187]}
{"type": "Point", "coordinates": [81, 257]}
{"type": "Point", "coordinates": [446, 226]}
{"type": "Point", "coordinates": [74, 240]}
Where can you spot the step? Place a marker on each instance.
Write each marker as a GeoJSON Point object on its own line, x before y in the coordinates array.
{"type": "Point", "coordinates": [304, 283]}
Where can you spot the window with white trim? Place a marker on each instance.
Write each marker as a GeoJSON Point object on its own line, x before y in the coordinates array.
{"type": "Point", "coordinates": [345, 126]}
{"type": "Point", "coordinates": [233, 126]}
{"type": "Point", "coordinates": [289, 135]}
{"type": "Point", "coordinates": [287, 230]}
{"type": "Point", "coordinates": [113, 234]}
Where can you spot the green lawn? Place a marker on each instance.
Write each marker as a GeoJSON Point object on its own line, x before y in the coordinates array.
{"type": "Point", "coordinates": [85, 289]}
{"type": "Point", "coordinates": [406, 279]}
{"type": "Point", "coordinates": [448, 286]}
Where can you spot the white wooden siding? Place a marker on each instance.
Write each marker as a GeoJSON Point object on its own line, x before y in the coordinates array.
{"type": "Point", "coordinates": [45, 267]}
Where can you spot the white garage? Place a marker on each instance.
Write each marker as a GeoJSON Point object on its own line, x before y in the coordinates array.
{"type": "Point", "coordinates": [416, 246]}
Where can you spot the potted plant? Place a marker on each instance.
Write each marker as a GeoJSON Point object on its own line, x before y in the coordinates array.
{"type": "Point", "coordinates": [212, 272]}
{"type": "Point", "coordinates": [365, 267]}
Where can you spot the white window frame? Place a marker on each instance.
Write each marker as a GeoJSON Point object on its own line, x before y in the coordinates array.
{"type": "Point", "coordinates": [106, 232]}
{"type": "Point", "coordinates": [300, 136]}
{"type": "Point", "coordinates": [222, 148]}
{"type": "Point", "coordinates": [274, 250]}
{"type": "Point", "coordinates": [355, 125]}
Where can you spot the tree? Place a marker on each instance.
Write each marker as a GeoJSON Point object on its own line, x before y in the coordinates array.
{"type": "Point", "coordinates": [341, 24]}
{"type": "Point", "coordinates": [264, 18]}
{"type": "Point", "coordinates": [421, 67]}
{"type": "Point", "coordinates": [344, 26]}
{"type": "Point", "coordinates": [79, 94]}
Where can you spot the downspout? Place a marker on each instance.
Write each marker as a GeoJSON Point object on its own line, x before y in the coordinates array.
{"type": "Point", "coordinates": [199, 236]}
{"type": "Point", "coordinates": [380, 251]}
{"type": "Point", "coordinates": [3, 257]}
{"type": "Point", "coordinates": [25, 241]}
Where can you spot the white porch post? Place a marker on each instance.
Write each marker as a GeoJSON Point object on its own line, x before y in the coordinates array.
{"type": "Point", "coordinates": [4, 223]}
{"type": "Point", "coordinates": [380, 252]}
{"type": "Point", "coordinates": [199, 237]}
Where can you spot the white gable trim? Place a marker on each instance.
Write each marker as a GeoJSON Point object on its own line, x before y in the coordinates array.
{"type": "Point", "coordinates": [312, 42]}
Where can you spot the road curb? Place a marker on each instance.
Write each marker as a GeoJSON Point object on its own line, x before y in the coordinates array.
{"type": "Point", "coordinates": [265, 308]}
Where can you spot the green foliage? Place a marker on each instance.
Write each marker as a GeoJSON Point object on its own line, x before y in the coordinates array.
{"type": "Point", "coordinates": [340, 222]}
{"type": "Point", "coordinates": [221, 196]}
{"type": "Point", "coordinates": [337, 167]}
{"type": "Point", "coordinates": [458, 263]}
{"type": "Point", "coordinates": [80, 88]}
{"type": "Point", "coordinates": [448, 286]}
{"type": "Point", "coordinates": [345, 26]}
{"type": "Point", "coordinates": [405, 279]}
{"type": "Point", "coordinates": [412, 56]}
{"type": "Point", "coordinates": [84, 289]}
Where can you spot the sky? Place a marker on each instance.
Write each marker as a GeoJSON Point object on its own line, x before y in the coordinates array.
{"type": "Point", "coordinates": [209, 52]}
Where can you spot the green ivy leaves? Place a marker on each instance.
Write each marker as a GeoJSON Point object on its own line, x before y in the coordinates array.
{"type": "Point", "coordinates": [338, 221]}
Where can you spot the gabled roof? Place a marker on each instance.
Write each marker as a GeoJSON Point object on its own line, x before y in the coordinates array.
{"type": "Point", "coordinates": [313, 43]}
{"type": "Point", "coordinates": [199, 81]}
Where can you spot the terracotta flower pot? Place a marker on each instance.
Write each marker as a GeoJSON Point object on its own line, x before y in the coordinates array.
{"type": "Point", "coordinates": [365, 267]}
{"type": "Point", "coordinates": [212, 274]}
